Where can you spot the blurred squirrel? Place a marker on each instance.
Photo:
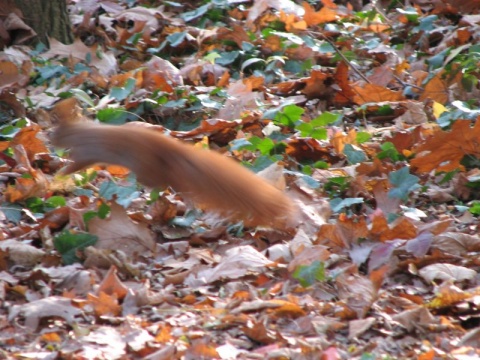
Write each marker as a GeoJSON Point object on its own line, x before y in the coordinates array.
{"type": "Point", "coordinates": [210, 179]}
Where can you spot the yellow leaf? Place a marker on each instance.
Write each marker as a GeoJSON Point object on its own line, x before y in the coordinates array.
{"type": "Point", "coordinates": [438, 109]}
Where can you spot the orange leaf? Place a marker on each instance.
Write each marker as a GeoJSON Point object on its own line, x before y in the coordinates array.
{"type": "Point", "coordinates": [312, 17]}
{"type": "Point", "coordinates": [346, 95]}
{"type": "Point", "coordinates": [445, 149]}
{"type": "Point", "coordinates": [429, 355]}
{"type": "Point", "coordinates": [339, 140]}
{"type": "Point", "coordinates": [112, 285]}
{"type": "Point", "coordinates": [104, 304]}
{"type": "Point", "coordinates": [291, 22]}
{"type": "Point", "coordinates": [374, 93]}
{"type": "Point", "coordinates": [164, 334]}
{"type": "Point", "coordinates": [287, 308]}
{"type": "Point", "coordinates": [51, 337]}
{"type": "Point", "coordinates": [28, 138]}
{"type": "Point", "coordinates": [438, 87]}
{"type": "Point", "coordinates": [345, 232]}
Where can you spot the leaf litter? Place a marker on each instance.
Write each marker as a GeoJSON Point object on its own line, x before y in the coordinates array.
{"type": "Point", "coordinates": [366, 116]}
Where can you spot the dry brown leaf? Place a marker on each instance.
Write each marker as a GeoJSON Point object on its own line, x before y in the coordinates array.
{"type": "Point", "coordinates": [444, 150]}
{"type": "Point", "coordinates": [319, 85]}
{"type": "Point", "coordinates": [258, 332]}
{"type": "Point", "coordinates": [27, 137]}
{"type": "Point", "coordinates": [324, 15]}
{"type": "Point", "coordinates": [118, 232]}
{"type": "Point", "coordinates": [111, 285]}
{"type": "Point", "coordinates": [104, 304]}
{"type": "Point", "coordinates": [345, 96]}
{"type": "Point", "coordinates": [437, 88]}
{"type": "Point", "coordinates": [381, 75]}
{"type": "Point", "coordinates": [104, 341]}
{"type": "Point", "coordinates": [15, 25]}
{"type": "Point", "coordinates": [471, 338]}
{"type": "Point", "coordinates": [346, 232]}
{"type": "Point", "coordinates": [401, 228]}
{"type": "Point", "coordinates": [308, 256]}
{"type": "Point", "coordinates": [236, 263]}
{"type": "Point", "coordinates": [415, 114]}
{"type": "Point", "coordinates": [202, 349]}
{"type": "Point", "coordinates": [448, 295]}
{"type": "Point", "coordinates": [11, 76]}
{"type": "Point", "coordinates": [446, 272]}
{"type": "Point", "coordinates": [36, 310]}
{"type": "Point", "coordinates": [21, 254]}
{"type": "Point", "coordinates": [340, 139]}
{"type": "Point", "coordinates": [107, 64]}
{"type": "Point", "coordinates": [456, 243]}
{"type": "Point", "coordinates": [358, 327]}
{"type": "Point", "coordinates": [412, 318]}
{"type": "Point", "coordinates": [25, 187]}
{"type": "Point", "coordinates": [374, 93]}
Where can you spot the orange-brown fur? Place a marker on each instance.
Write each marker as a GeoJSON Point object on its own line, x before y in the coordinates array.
{"type": "Point", "coordinates": [208, 178]}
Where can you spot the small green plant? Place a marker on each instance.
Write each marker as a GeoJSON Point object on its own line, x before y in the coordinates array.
{"type": "Point", "coordinates": [307, 275]}
{"type": "Point", "coordinates": [403, 182]}
{"type": "Point", "coordinates": [389, 152]}
{"type": "Point", "coordinates": [68, 243]}
{"type": "Point", "coordinates": [337, 186]}
{"type": "Point", "coordinates": [317, 127]}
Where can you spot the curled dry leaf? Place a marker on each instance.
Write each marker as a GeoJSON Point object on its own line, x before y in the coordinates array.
{"type": "Point", "coordinates": [120, 233]}
{"type": "Point", "coordinates": [456, 243]}
{"type": "Point", "coordinates": [106, 64]}
{"type": "Point", "coordinates": [34, 311]}
{"type": "Point", "coordinates": [358, 327]}
{"type": "Point", "coordinates": [449, 295]}
{"type": "Point", "coordinates": [112, 285]}
{"type": "Point", "coordinates": [21, 254]}
{"type": "Point", "coordinates": [410, 319]}
{"type": "Point", "coordinates": [236, 263]}
{"type": "Point", "coordinates": [358, 292]}
{"type": "Point", "coordinates": [446, 272]}
{"type": "Point", "coordinates": [103, 342]}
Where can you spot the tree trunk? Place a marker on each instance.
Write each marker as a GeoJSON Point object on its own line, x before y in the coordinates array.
{"type": "Point", "coordinates": [48, 18]}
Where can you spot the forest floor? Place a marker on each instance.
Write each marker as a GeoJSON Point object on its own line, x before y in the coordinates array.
{"type": "Point", "coordinates": [365, 116]}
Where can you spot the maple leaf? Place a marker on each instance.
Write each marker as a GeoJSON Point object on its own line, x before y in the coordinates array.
{"type": "Point", "coordinates": [375, 93]}
{"type": "Point", "coordinates": [445, 149]}
{"type": "Point", "coordinates": [326, 14]}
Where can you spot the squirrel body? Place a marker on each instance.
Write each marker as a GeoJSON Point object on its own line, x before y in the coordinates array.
{"type": "Point", "coordinates": [210, 179]}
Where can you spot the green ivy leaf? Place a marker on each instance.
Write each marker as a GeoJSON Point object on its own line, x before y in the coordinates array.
{"type": "Point", "coordinates": [404, 183]}
{"type": "Point", "coordinates": [339, 204]}
{"type": "Point", "coordinates": [116, 116]}
{"type": "Point", "coordinates": [354, 156]}
{"type": "Point", "coordinates": [326, 118]}
{"type": "Point", "coordinates": [363, 137]}
{"type": "Point", "coordinates": [177, 38]}
{"type": "Point", "coordinates": [124, 194]}
{"type": "Point", "coordinates": [475, 208]}
{"type": "Point", "coordinates": [68, 243]}
{"type": "Point", "coordinates": [13, 212]}
{"type": "Point", "coordinates": [83, 97]}
{"type": "Point", "coordinates": [121, 93]}
{"type": "Point", "coordinates": [289, 115]}
{"type": "Point", "coordinates": [227, 57]}
{"type": "Point", "coordinates": [388, 151]}
{"type": "Point", "coordinates": [54, 202]}
{"type": "Point", "coordinates": [198, 12]}
{"type": "Point", "coordinates": [308, 274]}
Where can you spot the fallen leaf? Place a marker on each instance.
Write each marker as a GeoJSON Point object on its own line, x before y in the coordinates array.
{"type": "Point", "coordinates": [53, 306]}
{"type": "Point", "coordinates": [446, 272]}
{"type": "Point", "coordinates": [118, 232]}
